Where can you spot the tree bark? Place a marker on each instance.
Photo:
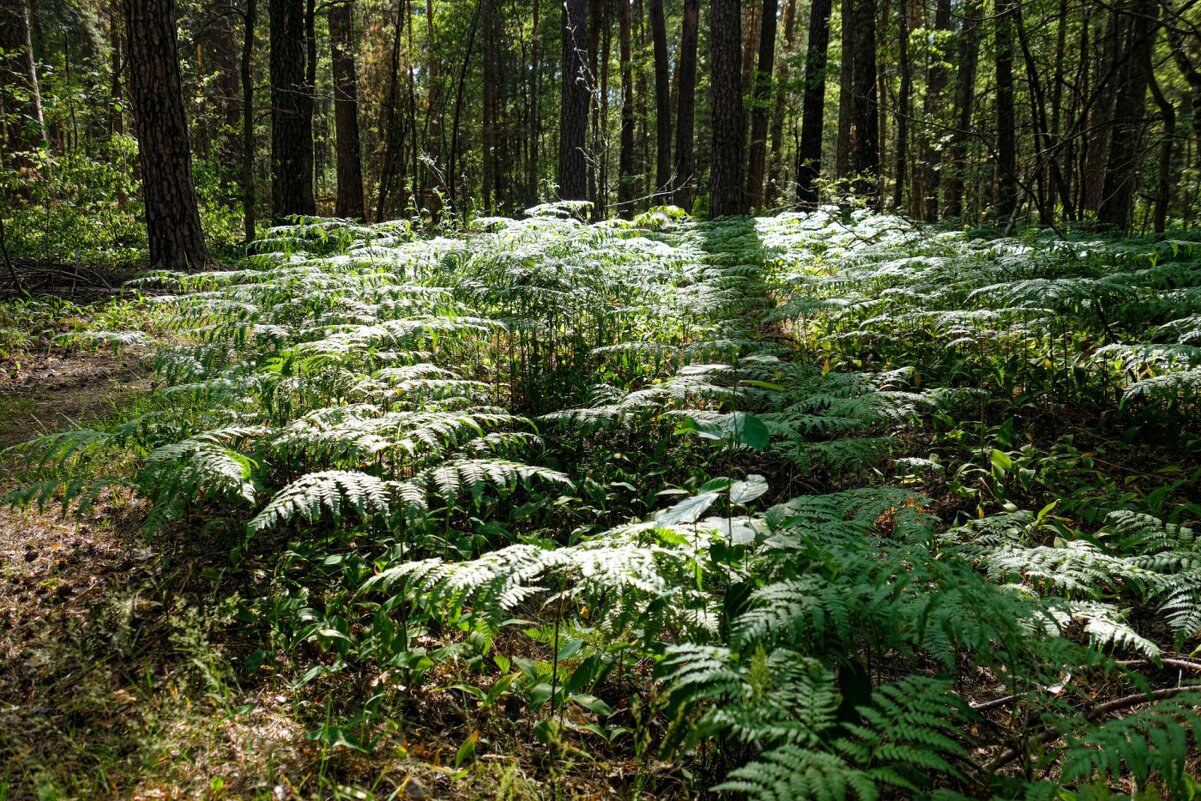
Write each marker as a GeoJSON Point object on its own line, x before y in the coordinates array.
{"type": "Point", "coordinates": [573, 122]}
{"type": "Point", "coordinates": [663, 163]}
{"type": "Point", "coordinates": [686, 104]}
{"type": "Point", "coordinates": [1007, 182]}
{"type": "Point", "coordinates": [904, 108]}
{"type": "Point", "coordinates": [809, 156]}
{"type": "Point", "coordinates": [535, 107]}
{"type": "Point", "coordinates": [967, 58]}
{"type": "Point", "coordinates": [726, 195]}
{"type": "Point", "coordinates": [1099, 120]}
{"type": "Point", "coordinates": [846, 90]}
{"type": "Point", "coordinates": [865, 149]}
{"type": "Point", "coordinates": [291, 114]}
{"type": "Point", "coordinates": [224, 47]}
{"type": "Point", "coordinates": [776, 164]}
{"type": "Point", "coordinates": [460, 199]}
{"type": "Point", "coordinates": [491, 91]}
{"type": "Point", "coordinates": [627, 180]}
{"type": "Point", "coordinates": [936, 86]}
{"type": "Point", "coordinates": [249, 22]}
{"type": "Point", "coordinates": [349, 200]}
{"type": "Point", "coordinates": [1163, 182]}
{"type": "Point", "coordinates": [757, 168]}
{"type": "Point", "coordinates": [596, 20]}
{"type": "Point", "coordinates": [172, 220]}
{"type": "Point", "coordinates": [393, 135]}
{"type": "Point", "coordinates": [1121, 169]}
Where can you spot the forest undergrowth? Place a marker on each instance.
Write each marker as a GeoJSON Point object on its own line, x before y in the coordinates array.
{"type": "Point", "coordinates": [819, 505]}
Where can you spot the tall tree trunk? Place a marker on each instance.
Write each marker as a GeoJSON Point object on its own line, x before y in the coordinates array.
{"type": "Point", "coordinates": [434, 185]}
{"type": "Point", "coordinates": [1047, 162]}
{"type": "Point", "coordinates": [491, 91]}
{"type": "Point", "coordinates": [967, 58]}
{"type": "Point", "coordinates": [602, 141]}
{"type": "Point", "coordinates": [1163, 182]}
{"type": "Point", "coordinates": [459, 200]}
{"type": "Point", "coordinates": [1121, 169]}
{"type": "Point", "coordinates": [865, 151]}
{"type": "Point", "coordinates": [846, 90]}
{"type": "Point", "coordinates": [309, 98]}
{"type": "Point", "coordinates": [415, 150]}
{"type": "Point", "coordinates": [573, 121]}
{"type": "Point", "coordinates": [642, 137]}
{"type": "Point", "coordinates": [936, 86]}
{"type": "Point", "coordinates": [349, 201]}
{"type": "Point", "coordinates": [596, 18]}
{"type": "Point", "coordinates": [20, 98]}
{"type": "Point", "coordinates": [393, 144]}
{"type": "Point", "coordinates": [172, 220]}
{"type": "Point", "coordinates": [686, 104]}
{"type": "Point", "coordinates": [904, 108]}
{"type": "Point", "coordinates": [627, 180]}
{"type": "Point", "coordinates": [291, 114]}
{"type": "Point", "coordinates": [1099, 122]}
{"type": "Point", "coordinates": [1007, 165]}
{"type": "Point", "coordinates": [228, 92]}
{"type": "Point", "coordinates": [761, 104]}
{"type": "Point", "coordinates": [726, 195]}
{"type": "Point", "coordinates": [535, 107]}
{"type": "Point", "coordinates": [663, 163]}
{"type": "Point", "coordinates": [776, 162]}
{"type": "Point", "coordinates": [809, 155]}
{"type": "Point", "coordinates": [246, 67]}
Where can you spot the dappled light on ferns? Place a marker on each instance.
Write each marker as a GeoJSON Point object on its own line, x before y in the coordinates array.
{"type": "Point", "coordinates": [695, 445]}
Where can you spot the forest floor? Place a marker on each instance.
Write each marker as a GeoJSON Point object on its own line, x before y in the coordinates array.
{"type": "Point", "coordinates": [119, 653]}
{"type": "Point", "coordinates": [147, 668]}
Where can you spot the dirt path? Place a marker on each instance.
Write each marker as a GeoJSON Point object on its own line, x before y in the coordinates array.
{"type": "Point", "coordinates": [54, 392]}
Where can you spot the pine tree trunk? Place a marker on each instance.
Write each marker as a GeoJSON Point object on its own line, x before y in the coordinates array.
{"type": "Point", "coordinates": [533, 168]}
{"type": "Point", "coordinates": [172, 220]}
{"type": "Point", "coordinates": [663, 162]}
{"type": "Point", "coordinates": [757, 167]}
{"type": "Point", "coordinates": [904, 109]}
{"type": "Point", "coordinates": [865, 149]}
{"type": "Point", "coordinates": [459, 199]}
{"type": "Point", "coordinates": [602, 144]}
{"type": "Point", "coordinates": [393, 134]}
{"type": "Point", "coordinates": [433, 185]}
{"type": "Point", "coordinates": [686, 105]}
{"type": "Point", "coordinates": [1007, 184]}
{"type": "Point", "coordinates": [228, 92]}
{"type": "Point", "coordinates": [936, 86]}
{"type": "Point", "coordinates": [627, 181]}
{"type": "Point", "coordinates": [776, 163]}
{"type": "Point", "coordinates": [1099, 122]}
{"type": "Point", "coordinates": [809, 155]}
{"type": "Point", "coordinates": [1163, 183]}
{"type": "Point", "coordinates": [596, 18]}
{"type": "Point", "coordinates": [846, 90]}
{"type": "Point", "coordinates": [1121, 169]}
{"type": "Point", "coordinates": [967, 59]}
{"type": "Point", "coordinates": [349, 200]}
{"type": "Point", "coordinates": [291, 114]}
{"type": "Point", "coordinates": [726, 186]}
{"type": "Point", "coordinates": [573, 121]}
{"type": "Point", "coordinates": [246, 67]}
{"type": "Point", "coordinates": [491, 90]}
